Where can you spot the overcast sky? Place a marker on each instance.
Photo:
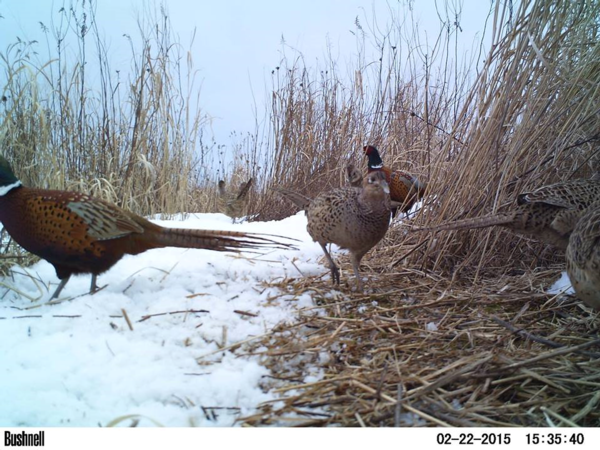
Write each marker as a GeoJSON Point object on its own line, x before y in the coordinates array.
{"type": "Point", "coordinates": [239, 42]}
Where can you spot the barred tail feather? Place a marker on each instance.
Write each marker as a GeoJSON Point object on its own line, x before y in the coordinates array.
{"type": "Point", "coordinates": [479, 222]}
{"type": "Point", "coordinates": [301, 201]}
{"type": "Point", "coordinates": [244, 189]}
{"type": "Point", "coordinates": [220, 241]}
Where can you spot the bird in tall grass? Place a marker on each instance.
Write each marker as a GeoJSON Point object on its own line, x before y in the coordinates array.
{"type": "Point", "coordinates": [355, 178]}
{"type": "Point", "coordinates": [353, 218]}
{"type": "Point", "coordinates": [405, 189]}
{"type": "Point", "coordinates": [80, 234]}
{"type": "Point", "coordinates": [583, 256]}
{"type": "Point", "coordinates": [548, 213]}
{"type": "Point", "coordinates": [232, 203]}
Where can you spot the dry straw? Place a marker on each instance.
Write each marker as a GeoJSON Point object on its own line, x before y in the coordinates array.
{"type": "Point", "coordinates": [423, 351]}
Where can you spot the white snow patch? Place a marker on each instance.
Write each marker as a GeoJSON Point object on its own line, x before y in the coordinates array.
{"type": "Point", "coordinates": [411, 420]}
{"type": "Point", "coordinates": [562, 285]}
{"type": "Point", "coordinates": [431, 326]}
{"type": "Point", "coordinates": [78, 363]}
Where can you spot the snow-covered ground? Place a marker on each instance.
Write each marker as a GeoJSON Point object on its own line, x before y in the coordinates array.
{"type": "Point", "coordinates": [562, 285]}
{"type": "Point", "coordinates": [77, 363]}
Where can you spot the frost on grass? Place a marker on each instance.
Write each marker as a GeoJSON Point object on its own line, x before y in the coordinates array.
{"type": "Point", "coordinates": [78, 363]}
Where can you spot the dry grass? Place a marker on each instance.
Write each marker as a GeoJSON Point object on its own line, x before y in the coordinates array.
{"type": "Point", "coordinates": [528, 117]}
{"type": "Point", "coordinates": [74, 123]}
{"type": "Point", "coordinates": [424, 351]}
{"type": "Point", "coordinates": [532, 119]}
{"type": "Point", "coordinates": [320, 118]}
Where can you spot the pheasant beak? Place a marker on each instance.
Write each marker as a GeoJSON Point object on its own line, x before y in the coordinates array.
{"type": "Point", "coordinates": [385, 186]}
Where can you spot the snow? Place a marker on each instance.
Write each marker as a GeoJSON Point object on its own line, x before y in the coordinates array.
{"type": "Point", "coordinates": [562, 285]}
{"type": "Point", "coordinates": [92, 369]}
{"type": "Point", "coordinates": [431, 326]}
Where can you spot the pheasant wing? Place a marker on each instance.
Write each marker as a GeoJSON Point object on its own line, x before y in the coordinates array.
{"type": "Point", "coordinates": [577, 194]}
{"type": "Point", "coordinates": [104, 220]}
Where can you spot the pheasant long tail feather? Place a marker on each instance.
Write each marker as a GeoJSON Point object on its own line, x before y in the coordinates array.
{"type": "Point", "coordinates": [221, 241]}
{"type": "Point", "coordinates": [478, 222]}
{"type": "Point", "coordinates": [299, 200]}
{"type": "Point", "coordinates": [244, 189]}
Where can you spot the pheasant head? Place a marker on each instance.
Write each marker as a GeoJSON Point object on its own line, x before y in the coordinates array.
{"type": "Point", "coordinates": [8, 180]}
{"type": "Point", "coordinates": [375, 162]}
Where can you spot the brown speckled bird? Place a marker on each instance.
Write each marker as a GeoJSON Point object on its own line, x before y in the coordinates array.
{"type": "Point", "coordinates": [355, 178]}
{"type": "Point", "coordinates": [548, 213]}
{"type": "Point", "coordinates": [353, 218]}
{"type": "Point", "coordinates": [232, 203]}
{"type": "Point", "coordinates": [405, 189]}
{"type": "Point", "coordinates": [79, 234]}
{"type": "Point", "coordinates": [583, 257]}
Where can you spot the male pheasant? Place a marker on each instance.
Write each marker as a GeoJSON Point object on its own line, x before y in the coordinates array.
{"type": "Point", "coordinates": [548, 213]}
{"type": "Point", "coordinates": [405, 189]}
{"type": "Point", "coordinates": [353, 218]}
{"type": "Point", "coordinates": [79, 234]}
{"type": "Point", "coordinates": [232, 203]}
{"type": "Point", "coordinates": [583, 257]}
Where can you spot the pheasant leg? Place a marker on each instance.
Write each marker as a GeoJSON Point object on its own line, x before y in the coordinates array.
{"type": "Point", "coordinates": [94, 286]}
{"type": "Point", "coordinates": [60, 287]}
{"type": "Point", "coordinates": [356, 267]}
{"type": "Point", "coordinates": [335, 272]}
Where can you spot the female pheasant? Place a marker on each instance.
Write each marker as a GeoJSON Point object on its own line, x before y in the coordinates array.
{"type": "Point", "coordinates": [583, 257]}
{"type": "Point", "coordinates": [355, 178]}
{"type": "Point", "coordinates": [548, 213]}
{"type": "Point", "coordinates": [80, 234]}
{"type": "Point", "coordinates": [405, 189]}
{"type": "Point", "coordinates": [232, 203]}
{"type": "Point", "coordinates": [353, 218]}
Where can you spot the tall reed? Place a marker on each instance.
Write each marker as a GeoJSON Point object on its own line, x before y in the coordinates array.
{"type": "Point", "coordinates": [478, 133]}
{"type": "Point", "coordinates": [75, 122]}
